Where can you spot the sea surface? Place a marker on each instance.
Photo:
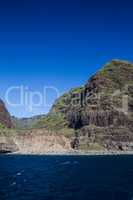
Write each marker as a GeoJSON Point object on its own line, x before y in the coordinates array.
{"type": "Point", "coordinates": [66, 177]}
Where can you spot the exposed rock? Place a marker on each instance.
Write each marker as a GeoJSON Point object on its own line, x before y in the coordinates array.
{"type": "Point", "coordinates": [7, 145]}
{"type": "Point", "coordinates": [35, 141]}
{"type": "Point", "coordinates": [102, 103]}
{"type": "Point", "coordinates": [5, 117]}
{"type": "Point", "coordinates": [40, 143]}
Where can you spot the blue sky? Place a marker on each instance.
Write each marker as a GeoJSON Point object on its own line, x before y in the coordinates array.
{"type": "Point", "coordinates": [59, 43]}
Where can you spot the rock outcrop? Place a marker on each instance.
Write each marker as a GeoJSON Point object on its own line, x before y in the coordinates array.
{"type": "Point", "coordinates": [5, 118]}
{"type": "Point", "coordinates": [35, 141]}
{"type": "Point", "coordinates": [7, 145]}
{"type": "Point", "coordinates": [100, 112]}
{"type": "Point", "coordinates": [41, 142]}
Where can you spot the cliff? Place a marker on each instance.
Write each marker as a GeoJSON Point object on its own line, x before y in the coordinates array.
{"type": "Point", "coordinates": [97, 116]}
{"type": "Point", "coordinates": [100, 112]}
{"type": "Point", "coordinates": [5, 118]}
{"type": "Point", "coordinates": [35, 141]}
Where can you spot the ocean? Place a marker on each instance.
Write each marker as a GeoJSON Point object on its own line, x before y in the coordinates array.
{"type": "Point", "coordinates": [30, 177]}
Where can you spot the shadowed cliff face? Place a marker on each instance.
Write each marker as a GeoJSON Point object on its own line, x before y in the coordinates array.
{"type": "Point", "coordinates": [5, 118]}
{"type": "Point", "coordinates": [103, 102]}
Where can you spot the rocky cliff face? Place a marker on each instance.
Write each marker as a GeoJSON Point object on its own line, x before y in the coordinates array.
{"type": "Point", "coordinates": [100, 112]}
{"type": "Point", "coordinates": [41, 142]}
{"type": "Point", "coordinates": [7, 145]}
{"type": "Point", "coordinates": [5, 118]}
{"type": "Point", "coordinates": [35, 141]}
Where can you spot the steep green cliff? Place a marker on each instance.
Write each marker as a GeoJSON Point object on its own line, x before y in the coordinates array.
{"type": "Point", "coordinates": [100, 113]}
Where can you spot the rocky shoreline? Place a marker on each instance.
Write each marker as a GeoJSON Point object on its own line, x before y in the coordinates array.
{"type": "Point", "coordinates": [74, 153]}
{"type": "Point", "coordinates": [44, 143]}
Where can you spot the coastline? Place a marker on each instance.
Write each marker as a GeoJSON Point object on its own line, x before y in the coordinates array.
{"type": "Point", "coordinates": [75, 153]}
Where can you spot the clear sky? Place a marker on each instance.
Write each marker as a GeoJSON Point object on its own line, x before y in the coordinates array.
{"type": "Point", "coordinates": [59, 43]}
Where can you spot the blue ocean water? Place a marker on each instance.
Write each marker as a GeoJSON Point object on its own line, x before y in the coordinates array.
{"type": "Point", "coordinates": [66, 177]}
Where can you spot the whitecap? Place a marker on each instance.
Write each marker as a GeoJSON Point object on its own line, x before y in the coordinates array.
{"type": "Point", "coordinates": [19, 174]}
{"type": "Point", "coordinates": [66, 163]}
{"type": "Point", "coordinates": [14, 183]}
